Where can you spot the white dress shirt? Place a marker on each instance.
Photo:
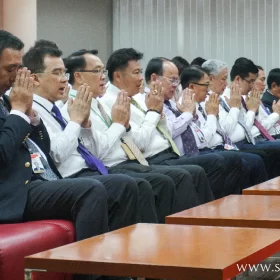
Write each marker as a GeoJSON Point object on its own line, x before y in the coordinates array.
{"type": "Point", "coordinates": [209, 128]}
{"type": "Point", "coordinates": [229, 120]}
{"type": "Point", "coordinates": [268, 120]}
{"type": "Point", "coordinates": [108, 139]}
{"type": "Point", "coordinates": [143, 126]}
{"type": "Point", "coordinates": [64, 143]}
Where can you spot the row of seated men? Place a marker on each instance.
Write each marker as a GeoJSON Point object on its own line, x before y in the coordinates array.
{"type": "Point", "coordinates": [111, 161]}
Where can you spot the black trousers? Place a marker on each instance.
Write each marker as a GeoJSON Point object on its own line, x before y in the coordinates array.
{"type": "Point", "coordinates": [191, 182]}
{"type": "Point", "coordinates": [253, 167]}
{"type": "Point", "coordinates": [270, 153]}
{"type": "Point", "coordinates": [213, 165]}
{"type": "Point", "coordinates": [157, 194]}
{"type": "Point", "coordinates": [93, 208]}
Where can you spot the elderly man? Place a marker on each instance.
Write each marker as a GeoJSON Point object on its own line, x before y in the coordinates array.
{"type": "Point", "coordinates": [116, 147]}
{"type": "Point", "coordinates": [216, 139]}
{"type": "Point", "coordinates": [237, 116]}
{"type": "Point", "coordinates": [148, 124]}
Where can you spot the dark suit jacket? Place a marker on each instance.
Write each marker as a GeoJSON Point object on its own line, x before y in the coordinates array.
{"type": "Point", "coordinates": [268, 99]}
{"type": "Point", "coordinates": [15, 163]}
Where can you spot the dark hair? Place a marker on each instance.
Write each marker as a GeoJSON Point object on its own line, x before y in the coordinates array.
{"type": "Point", "coordinates": [9, 41]}
{"type": "Point", "coordinates": [155, 65]}
{"type": "Point", "coordinates": [198, 61]}
{"type": "Point", "coordinates": [45, 43]}
{"type": "Point", "coordinates": [192, 74]}
{"type": "Point", "coordinates": [259, 67]}
{"type": "Point", "coordinates": [76, 61]}
{"type": "Point", "coordinates": [119, 60]}
{"type": "Point", "coordinates": [181, 63]}
{"type": "Point", "coordinates": [242, 67]}
{"type": "Point", "coordinates": [273, 77]}
{"type": "Point", "coordinates": [34, 58]}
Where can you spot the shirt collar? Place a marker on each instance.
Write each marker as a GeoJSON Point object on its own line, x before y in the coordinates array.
{"type": "Point", "coordinates": [73, 94]}
{"type": "Point", "coordinates": [112, 89]}
{"type": "Point", "coordinates": [43, 101]}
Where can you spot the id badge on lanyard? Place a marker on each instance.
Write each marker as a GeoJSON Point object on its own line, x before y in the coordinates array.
{"type": "Point", "coordinates": [37, 165]}
{"type": "Point", "coordinates": [198, 132]}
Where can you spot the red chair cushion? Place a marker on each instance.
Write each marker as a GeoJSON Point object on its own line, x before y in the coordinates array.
{"type": "Point", "coordinates": [24, 239]}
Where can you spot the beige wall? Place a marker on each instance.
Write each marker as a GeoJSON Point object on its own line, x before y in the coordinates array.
{"type": "Point", "coordinates": [20, 18]}
{"type": "Point", "coordinates": [77, 24]}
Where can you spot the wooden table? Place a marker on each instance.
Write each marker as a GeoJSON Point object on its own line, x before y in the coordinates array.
{"type": "Point", "coordinates": [271, 187]}
{"type": "Point", "coordinates": [163, 251]}
{"type": "Point", "coordinates": [254, 211]}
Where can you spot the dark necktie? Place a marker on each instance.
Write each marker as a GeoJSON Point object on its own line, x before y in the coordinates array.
{"type": "Point", "coordinates": [220, 131]}
{"type": "Point", "coordinates": [263, 131]}
{"type": "Point", "coordinates": [248, 133]}
{"type": "Point", "coordinates": [91, 161]}
{"type": "Point", "coordinates": [48, 175]}
{"type": "Point", "coordinates": [188, 139]}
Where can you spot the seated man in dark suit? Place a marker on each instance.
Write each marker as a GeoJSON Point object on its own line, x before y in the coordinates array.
{"type": "Point", "coordinates": [26, 196]}
{"type": "Point", "coordinates": [273, 91]}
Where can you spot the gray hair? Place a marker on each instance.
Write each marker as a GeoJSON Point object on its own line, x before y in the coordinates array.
{"type": "Point", "coordinates": [214, 66]}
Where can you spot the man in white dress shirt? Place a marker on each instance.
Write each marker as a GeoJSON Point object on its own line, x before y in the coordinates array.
{"type": "Point", "coordinates": [149, 127]}
{"type": "Point", "coordinates": [112, 130]}
{"type": "Point", "coordinates": [67, 151]}
{"type": "Point", "coordinates": [182, 119]}
{"type": "Point", "coordinates": [216, 140]}
{"type": "Point", "coordinates": [238, 116]}
{"type": "Point", "coordinates": [269, 110]}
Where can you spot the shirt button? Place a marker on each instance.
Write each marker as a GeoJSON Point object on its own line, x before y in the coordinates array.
{"type": "Point", "coordinates": [26, 182]}
{"type": "Point", "coordinates": [27, 164]}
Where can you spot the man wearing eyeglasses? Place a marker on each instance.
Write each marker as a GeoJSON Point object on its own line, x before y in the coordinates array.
{"type": "Point", "coordinates": [238, 116]}
{"type": "Point", "coordinates": [180, 118]}
{"type": "Point", "coordinates": [149, 128]}
{"type": "Point", "coordinates": [116, 149]}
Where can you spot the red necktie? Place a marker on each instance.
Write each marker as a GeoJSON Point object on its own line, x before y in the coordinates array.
{"type": "Point", "coordinates": [263, 131]}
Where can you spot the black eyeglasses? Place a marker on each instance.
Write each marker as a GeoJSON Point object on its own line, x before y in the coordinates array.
{"type": "Point", "coordinates": [96, 71]}
{"type": "Point", "coordinates": [250, 82]}
{"type": "Point", "coordinates": [203, 85]}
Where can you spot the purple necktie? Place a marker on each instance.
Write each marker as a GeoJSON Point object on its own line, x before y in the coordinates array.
{"type": "Point", "coordinates": [91, 161]}
{"type": "Point", "coordinates": [188, 139]}
{"type": "Point", "coordinates": [263, 131]}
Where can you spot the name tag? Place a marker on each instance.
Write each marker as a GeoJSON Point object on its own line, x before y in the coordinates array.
{"type": "Point", "coordinates": [198, 132]}
{"type": "Point", "coordinates": [37, 165]}
{"type": "Point", "coordinates": [229, 147]}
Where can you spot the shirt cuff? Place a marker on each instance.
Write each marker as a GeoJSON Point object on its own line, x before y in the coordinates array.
{"type": "Point", "coordinates": [275, 116]}
{"type": "Point", "coordinates": [211, 118]}
{"type": "Point", "coordinates": [20, 114]}
{"type": "Point", "coordinates": [251, 114]}
{"type": "Point", "coordinates": [73, 128]}
{"type": "Point", "coordinates": [234, 111]}
{"type": "Point", "coordinates": [152, 117]}
{"type": "Point", "coordinates": [187, 116]}
{"type": "Point", "coordinates": [35, 121]}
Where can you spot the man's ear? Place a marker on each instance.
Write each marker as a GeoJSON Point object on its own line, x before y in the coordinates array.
{"type": "Point", "coordinates": [237, 79]}
{"type": "Point", "coordinates": [78, 78]}
{"type": "Point", "coordinates": [117, 76]}
{"type": "Point", "coordinates": [273, 86]}
{"type": "Point", "coordinates": [191, 86]}
{"type": "Point", "coordinates": [36, 80]}
{"type": "Point", "coordinates": [211, 77]}
{"type": "Point", "coordinates": [153, 77]}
